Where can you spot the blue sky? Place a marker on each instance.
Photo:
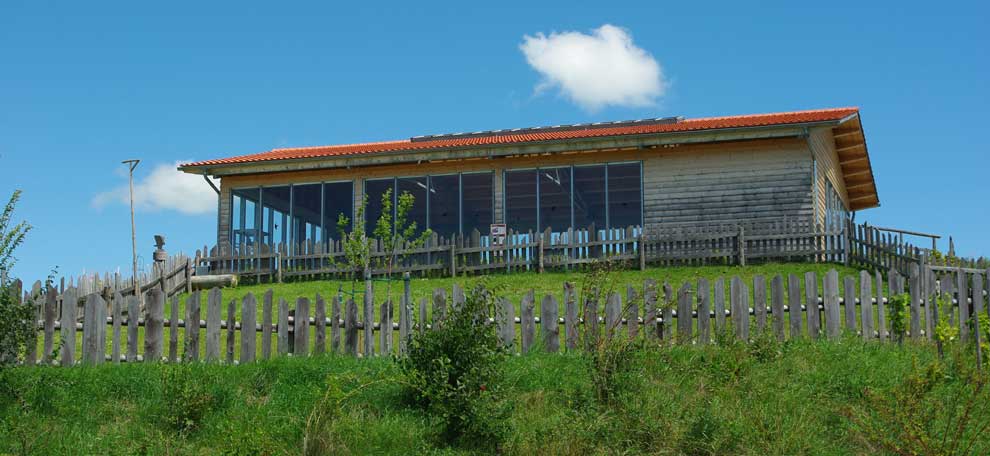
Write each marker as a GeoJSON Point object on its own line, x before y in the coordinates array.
{"type": "Point", "coordinates": [85, 85]}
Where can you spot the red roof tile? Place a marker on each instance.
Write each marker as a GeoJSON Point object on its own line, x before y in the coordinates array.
{"type": "Point", "coordinates": [704, 123]}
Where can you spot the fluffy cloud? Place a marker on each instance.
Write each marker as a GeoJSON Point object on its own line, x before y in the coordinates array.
{"type": "Point", "coordinates": [602, 69]}
{"type": "Point", "coordinates": [165, 188]}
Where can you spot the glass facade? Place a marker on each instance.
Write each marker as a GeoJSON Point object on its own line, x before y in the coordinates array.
{"type": "Point", "coordinates": [606, 196]}
{"type": "Point", "coordinates": [447, 204]}
{"type": "Point", "coordinates": [290, 214]}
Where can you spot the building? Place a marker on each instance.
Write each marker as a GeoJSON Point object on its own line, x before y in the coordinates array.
{"type": "Point", "coordinates": [807, 165]}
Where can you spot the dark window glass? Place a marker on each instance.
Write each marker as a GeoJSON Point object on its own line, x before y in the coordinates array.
{"type": "Point", "coordinates": [477, 202]}
{"type": "Point", "coordinates": [338, 198]}
{"type": "Point", "coordinates": [306, 219]}
{"type": "Point", "coordinates": [555, 199]}
{"type": "Point", "coordinates": [520, 200]}
{"type": "Point", "coordinates": [589, 196]}
{"type": "Point", "coordinates": [444, 204]}
{"type": "Point", "coordinates": [415, 186]}
{"type": "Point", "coordinates": [625, 201]}
{"type": "Point", "coordinates": [374, 189]}
{"type": "Point", "coordinates": [243, 216]}
{"type": "Point", "coordinates": [275, 210]}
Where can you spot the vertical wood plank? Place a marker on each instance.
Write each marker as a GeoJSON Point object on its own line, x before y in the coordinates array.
{"type": "Point", "coordinates": [301, 328]}
{"type": "Point", "coordinates": [811, 304]}
{"type": "Point", "coordinates": [684, 320]}
{"type": "Point", "coordinates": [154, 326]}
{"type": "Point", "coordinates": [266, 325]}
{"type": "Point", "coordinates": [590, 318]}
{"type": "Point", "coordinates": [866, 304]}
{"type": "Point", "coordinates": [458, 296]}
{"type": "Point", "coordinates": [570, 317]}
{"type": "Point", "coordinates": [320, 340]}
{"type": "Point", "coordinates": [720, 305]}
{"type": "Point", "coordinates": [760, 302]}
{"type": "Point", "coordinates": [369, 318]}
{"type": "Point", "coordinates": [94, 322]}
{"type": "Point", "coordinates": [506, 323]}
{"type": "Point", "coordinates": [51, 314]}
{"type": "Point", "coordinates": [667, 324]}
{"type": "Point", "coordinates": [282, 327]}
{"type": "Point", "coordinates": [350, 328]}
{"type": "Point", "coordinates": [830, 292]}
{"type": "Point", "coordinates": [613, 314]}
{"type": "Point", "coordinates": [527, 323]}
{"type": "Point", "coordinates": [977, 304]}
{"type": "Point", "coordinates": [881, 307]}
{"type": "Point", "coordinates": [439, 307]}
{"type": "Point", "coordinates": [962, 293]}
{"type": "Point", "coordinates": [118, 321]}
{"type": "Point", "coordinates": [173, 330]}
{"type": "Point", "coordinates": [650, 304]}
{"type": "Point", "coordinates": [405, 315]}
{"type": "Point", "coordinates": [777, 305]}
{"type": "Point", "coordinates": [335, 325]}
{"type": "Point", "coordinates": [231, 329]}
{"type": "Point", "coordinates": [632, 312]}
{"type": "Point", "coordinates": [794, 304]}
{"type": "Point", "coordinates": [249, 325]}
{"type": "Point", "coordinates": [423, 320]}
{"type": "Point", "coordinates": [549, 324]}
{"type": "Point", "coordinates": [849, 303]}
{"type": "Point", "coordinates": [213, 313]}
{"type": "Point", "coordinates": [133, 314]}
{"type": "Point", "coordinates": [385, 328]}
{"type": "Point", "coordinates": [704, 309]}
{"type": "Point", "coordinates": [68, 325]}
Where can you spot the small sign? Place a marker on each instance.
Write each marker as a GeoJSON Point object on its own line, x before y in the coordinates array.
{"type": "Point", "coordinates": [498, 234]}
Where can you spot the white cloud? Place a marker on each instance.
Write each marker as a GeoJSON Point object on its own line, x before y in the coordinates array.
{"type": "Point", "coordinates": [165, 188]}
{"type": "Point", "coordinates": [602, 69]}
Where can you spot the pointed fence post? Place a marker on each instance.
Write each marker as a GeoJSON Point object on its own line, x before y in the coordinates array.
{"type": "Point", "coordinates": [68, 326]}
{"type": "Point", "coordinates": [830, 292]}
{"type": "Point", "coordinates": [549, 324]}
{"type": "Point", "coordinates": [570, 318]}
{"type": "Point", "coordinates": [527, 323]}
{"type": "Point", "coordinates": [866, 304]}
{"type": "Point", "coordinates": [249, 310]}
{"type": "Point", "coordinates": [704, 312]}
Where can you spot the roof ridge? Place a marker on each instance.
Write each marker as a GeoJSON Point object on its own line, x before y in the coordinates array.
{"type": "Point", "coordinates": [765, 114]}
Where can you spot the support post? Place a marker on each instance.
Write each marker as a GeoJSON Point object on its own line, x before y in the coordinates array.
{"type": "Point", "coordinates": [453, 259]}
{"type": "Point", "coordinates": [742, 246]}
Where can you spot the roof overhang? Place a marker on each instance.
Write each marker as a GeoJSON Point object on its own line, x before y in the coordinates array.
{"type": "Point", "coordinates": [504, 150]}
{"type": "Point", "coordinates": [854, 159]}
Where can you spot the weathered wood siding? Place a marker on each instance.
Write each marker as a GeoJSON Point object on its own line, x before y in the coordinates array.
{"type": "Point", "coordinates": [751, 181]}
{"type": "Point", "coordinates": [827, 166]}
{"type": "Point", "coordinates": [698, 183]}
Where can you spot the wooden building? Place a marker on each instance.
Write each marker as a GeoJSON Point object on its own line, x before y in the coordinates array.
{"type": "Point", "coordinates": [805, 165]}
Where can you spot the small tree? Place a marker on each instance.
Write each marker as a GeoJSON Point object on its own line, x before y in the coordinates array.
{"type": "Point", "coordinates": [395, 234]}
{"type": "Point", "coordinates": [15, 317]}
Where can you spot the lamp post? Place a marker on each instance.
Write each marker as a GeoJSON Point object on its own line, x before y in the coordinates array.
{"type": "Point", "coordinates": [137, 286]}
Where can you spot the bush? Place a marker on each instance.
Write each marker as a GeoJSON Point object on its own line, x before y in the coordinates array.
{"type": "Point", "coordinates": [453, 373]}
{"type": "Point", "coordinates": [186, 398]}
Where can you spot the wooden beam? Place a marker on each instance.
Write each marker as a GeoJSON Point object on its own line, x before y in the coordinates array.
{"type": "Point", "coordinates": [853, 160]}
{"type": "Point", "coordinates": [851, 147]}
{"type": "Point", "coordinates": [861, 193]}
{"type": "Point", "coordinates": [844, 133]}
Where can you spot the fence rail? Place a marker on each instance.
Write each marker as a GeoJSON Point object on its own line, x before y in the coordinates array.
{"type": "Point", "coordinates": [692, 313]}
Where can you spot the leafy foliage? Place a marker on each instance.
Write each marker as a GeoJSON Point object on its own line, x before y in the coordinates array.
{"type": "Point", "coordinates": [11, 236]}
{"type": "Point", "coordinates": [898, 315]}
{"type": "Point", "coordinates": [16, 318]}
{"type": "Point", "coordinates": [454, 373]}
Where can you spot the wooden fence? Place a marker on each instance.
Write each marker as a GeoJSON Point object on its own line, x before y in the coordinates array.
{"type": "Point", "coordinates": [737, 243]}
{"type": "Point", "coordinates": [789, 307]}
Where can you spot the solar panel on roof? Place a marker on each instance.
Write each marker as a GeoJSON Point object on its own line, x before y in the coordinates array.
{"type": "Point", "coordinates": [518, 131]}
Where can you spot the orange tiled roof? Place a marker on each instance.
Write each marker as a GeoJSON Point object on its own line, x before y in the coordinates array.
{"type": "Point", "coordinates": [684, 125]}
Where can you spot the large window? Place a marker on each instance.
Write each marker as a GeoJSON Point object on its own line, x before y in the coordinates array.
{"type": "Point", "coordinates": [288, 214]}
{"type": "Point", "coordinates": [476, 203]}
{"type": "Point", "coordinates": [555, 199]}
{"type": "Point", "coordinates": [589, 197]}
{"type": "Point", "coordinates": [338, 199]}
{"type": "Point", "coordinates": [606, 196]}
{"type": "Point", "coordinates": [521, 208]}
{"type": "Point", "coordinates": [625, 200]}
{"type": "Point", "coordinates": [306, 219]}
{"type": "Point", "coordinates": [445, 202]}
{"type": "Point", "coordinates": [244, 208]}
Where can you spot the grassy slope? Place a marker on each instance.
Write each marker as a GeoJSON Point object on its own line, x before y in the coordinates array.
{"type": "Point", "coordinates": [724, 399]}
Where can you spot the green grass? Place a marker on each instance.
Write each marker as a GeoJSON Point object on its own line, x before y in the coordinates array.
{"type": "Point", "coordinates": [676, 400]}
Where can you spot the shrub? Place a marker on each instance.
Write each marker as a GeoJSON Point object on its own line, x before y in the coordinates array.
{"type": "Point", "coordinates": [453, 373]}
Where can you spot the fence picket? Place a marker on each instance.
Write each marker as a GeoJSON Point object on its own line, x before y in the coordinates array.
{"type": "Point", "coordinates": [133, 312]}
{"type": "Point", "coordinates": [704, 310]}
{"type": "Point", "coordinates": [549, 324]}
{"type": "Point", "coordinates": [249, 310]}
{"type": "Point", "coordinates": [369, 318]}
{"type": "Point", "coordinates": [385, 328]}
{"type": "Point", "coordinates": [335, 325]}
{"type": "Point", "coordinates": [301, 328]}
{"type": "Point", "coordinates": [684, 320]}
{"type": "Point", "coordinates": [811, 304]}
{"type": "Point", "coordinates": [849, 303]}
{"type": "Point", "coordinates": [591, 332]}
{"type": "Point", "coordinates": [570, 317]}
{"type": "Point", "coordinates": [650, 309]}
{"type": "Point", "coordinates": [173, 330]}
{"type": "Point", "coordinates": [719, 305]}
{"type": "Point", "coordinates": [439, 307]}
{"type": "Point", "coordinates": [830, 291]}
{"type": "Point", "coordinates": [282, 327]}
{"type": "Point", "coordinates": [777, 306]}
{"type": "Point", "coordinates": [794, 305]}
{"type": "Point", "coordinates": [154, 325]}
{"type": "Point", "coordinates": [320, 316]}
{"type": "Point", "coordinates": [213, 313]}
{"type": "Point", "coordinates": [231, 329]}
{"type": "Point", "coordinates": [527, 323]}
{"type": "Point", "coordinates": [266, 325]}
{"type": "Point", "coordinates": [632, 312]}
{"type": "Point", "coordinates": [962, 295]}
{"type": "Point", "coordinates": [94, 326]}
{"type": "Point", "coordinates": [760, 302]}
{"type": "Point", "coordinates": [507, 323]}
{"type": "Point", "coordinates": [50, 314]}
{"type": "Point", "coordinates": [350, 328]}
{"type": "Point", "coordinates": [866, 304]}
{"type": "Point", "coordinates": [613, 314]}
{"type": "Point", "coordinates": [118, 319]}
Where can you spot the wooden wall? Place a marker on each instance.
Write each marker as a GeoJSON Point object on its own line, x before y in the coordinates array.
{"type": "Point", "coordinates": [685, 184]}
{"type": "Point", "coordinates": [823, 149]}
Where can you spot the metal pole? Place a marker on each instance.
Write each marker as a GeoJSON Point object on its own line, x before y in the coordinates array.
{"type": "Point", "coordinates": [131, 165]}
